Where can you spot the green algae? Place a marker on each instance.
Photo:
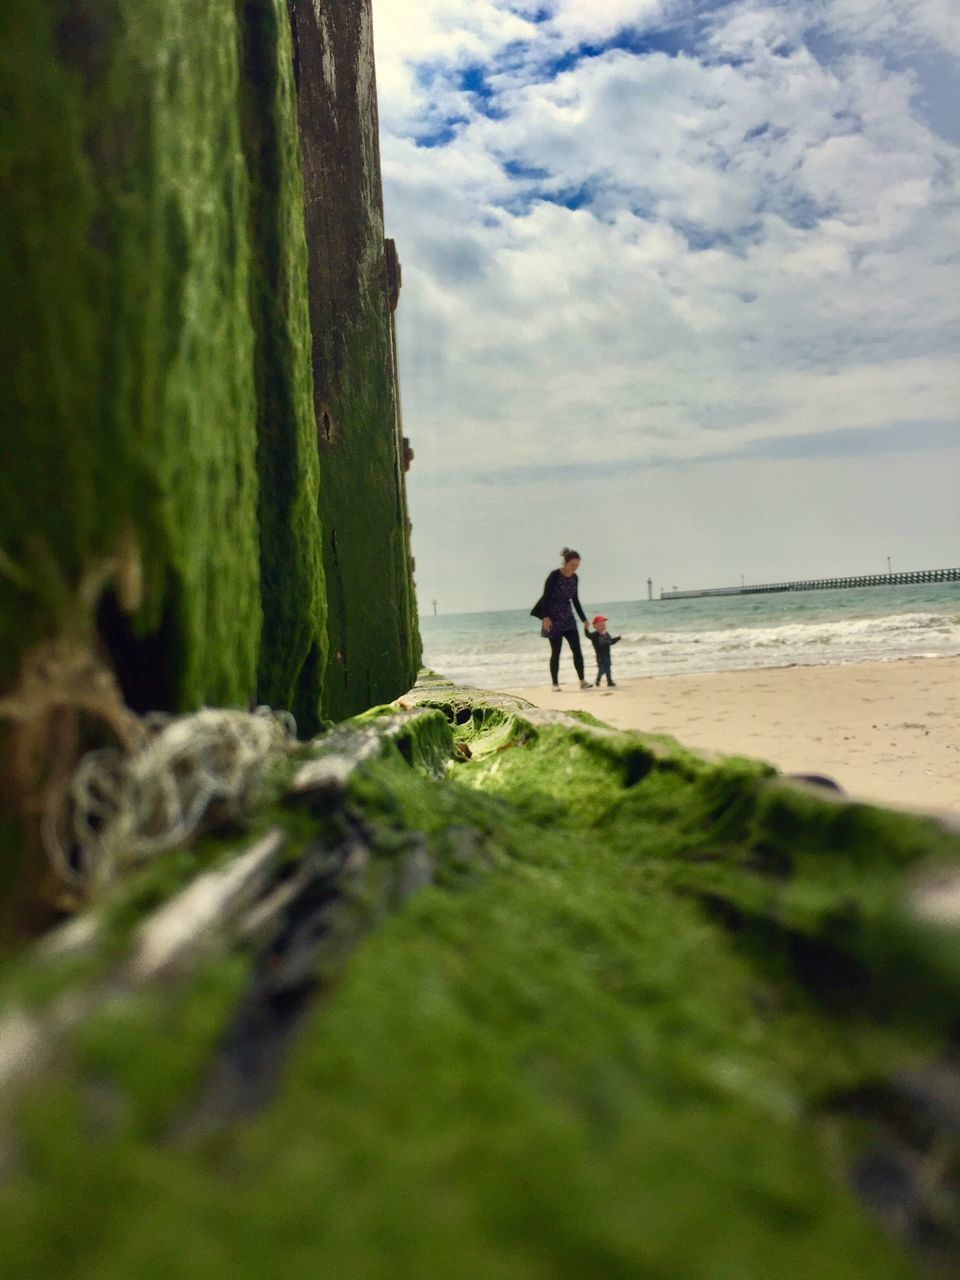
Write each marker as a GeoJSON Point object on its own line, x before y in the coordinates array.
{"type": "Point", "coordinates": [424, 739]}
{"type": "Point", "coordinates": [294, 639]}
{"type": "Point", "coordinates": [562, 1059]}
{"type": "Point", "coordinates": [374, 642]}
{"type": "Point", "coordinates": [374, 646]}
{"type": "Point", "coordinates": [164, 516]}
{"type": "Point", "coordinates": [127, 330]}
{"type": "Point", "coordinates": [165, 426]}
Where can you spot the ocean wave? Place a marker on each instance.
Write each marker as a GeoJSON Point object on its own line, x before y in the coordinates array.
{"type": "Point", "coordinates": [802, 633]}
{"type": "Point", "coordinates": [490, 654]}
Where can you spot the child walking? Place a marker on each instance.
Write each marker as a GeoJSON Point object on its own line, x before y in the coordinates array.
{"type": "Point", "coordinates": [602, 643]}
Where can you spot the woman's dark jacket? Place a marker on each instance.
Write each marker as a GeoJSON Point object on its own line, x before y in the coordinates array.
{"type": "Point", "coordinates": [542, 609]}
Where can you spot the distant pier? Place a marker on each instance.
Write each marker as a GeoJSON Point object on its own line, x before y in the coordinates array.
{"type": "Point", "coordinates": [822, 584]}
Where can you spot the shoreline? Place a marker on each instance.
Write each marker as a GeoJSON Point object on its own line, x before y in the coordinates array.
{"type": "Point", "coordinates": [886, 731]}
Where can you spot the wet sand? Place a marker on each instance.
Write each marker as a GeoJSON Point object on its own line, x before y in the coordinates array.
{"type": "Point", "coordinates": [885, 731]}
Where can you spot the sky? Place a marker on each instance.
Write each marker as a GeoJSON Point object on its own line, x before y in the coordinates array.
{"type": "Point", "coordinates": [680, 289]}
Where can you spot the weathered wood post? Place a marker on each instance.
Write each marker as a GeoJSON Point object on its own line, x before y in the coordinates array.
{"type": "Point", "coordinates": [354, 284]}
{"type": "Point", "coordinates": [167, 490]}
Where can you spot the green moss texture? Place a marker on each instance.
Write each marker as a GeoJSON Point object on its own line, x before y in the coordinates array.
{"type": "Point", "coordinates": [294, 640]}
{"type": "Point", "coordinates": [374, 641]}
{"type": "Point", "coordinates": [163, 487]}
{"type": "Point", "coordinates": [640, 1026]}
{"type": "Point", "coordinates": [126, 327]}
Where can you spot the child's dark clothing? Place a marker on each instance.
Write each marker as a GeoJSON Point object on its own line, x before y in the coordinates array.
{"type": "Point", "coordinates": [602, 643]}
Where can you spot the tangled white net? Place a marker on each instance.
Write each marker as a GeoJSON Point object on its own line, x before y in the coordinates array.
{"type": "Point", "coordinates": [121, 808]}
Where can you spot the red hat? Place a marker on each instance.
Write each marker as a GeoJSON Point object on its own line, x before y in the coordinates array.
{"type": "Point", "coordinates": [599, 618]}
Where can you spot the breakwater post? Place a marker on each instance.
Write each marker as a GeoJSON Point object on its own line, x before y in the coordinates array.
{"type": "Point", "coordinates": [203, 500]}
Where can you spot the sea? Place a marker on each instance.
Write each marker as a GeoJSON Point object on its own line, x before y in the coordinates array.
{"type": "Point", "coordinates": [503, 650]}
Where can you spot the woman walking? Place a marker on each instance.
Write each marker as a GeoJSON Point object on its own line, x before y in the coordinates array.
{"type": "Point", "coordinates": [555, 611]}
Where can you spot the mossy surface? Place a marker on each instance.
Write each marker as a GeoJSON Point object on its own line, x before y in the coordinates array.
{"type": "Point", "coordinates": [129, 401]}
{"type": "Point", "coordinates": [374, 638]}
{"type": "Point", "coordinates": [374, 646]}
{"type": "Point", "coordinates": [165, 402]}
{"type": "Point", "coordinates": [294, 640]}
{"type": "Point", "coordinates": [611, 1040]}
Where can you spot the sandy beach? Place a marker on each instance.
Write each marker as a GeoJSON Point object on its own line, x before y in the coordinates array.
{"type": "Point", "coordinates": [885, 731]}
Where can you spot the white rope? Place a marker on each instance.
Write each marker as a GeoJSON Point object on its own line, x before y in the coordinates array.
{"type": "Point", "coordinates": [122, 808]}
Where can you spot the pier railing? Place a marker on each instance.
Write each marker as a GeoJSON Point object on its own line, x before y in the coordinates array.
{"type": "Point", "coordinates": [822, 584]}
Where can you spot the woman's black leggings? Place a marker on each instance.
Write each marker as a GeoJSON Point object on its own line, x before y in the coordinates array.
{"type": "Point", "coordinates": [556, 644]}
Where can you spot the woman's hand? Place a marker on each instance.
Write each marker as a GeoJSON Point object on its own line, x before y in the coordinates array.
{"type": "Point", "coordinates": [586, 628]}
{"type": "Point", "coordinates": [547, 623]}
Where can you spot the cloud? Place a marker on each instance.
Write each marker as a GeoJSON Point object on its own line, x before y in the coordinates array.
{"type": "Point", "coordinates": [882, 26]}
{"type": "Point", "coordinates": [585, 21]}
{"type": "Point", "coordinates": [933, 23]}
{"type": "Point", "coordinates": [652, 232]}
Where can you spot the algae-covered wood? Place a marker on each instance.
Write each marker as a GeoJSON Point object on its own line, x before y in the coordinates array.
{"type": "Point", "coordinates": [293, 644]}
{"type": "Point", "coordinates": [130, 407]}
{"type": "Point", "coordinates": [156, 333]}
{"type": "Point", "coordinates": [164, 506]}
{"type": "Point", "coordinates": [374, 642]}
{"type": "Point", "coordinates": [526, 997]}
